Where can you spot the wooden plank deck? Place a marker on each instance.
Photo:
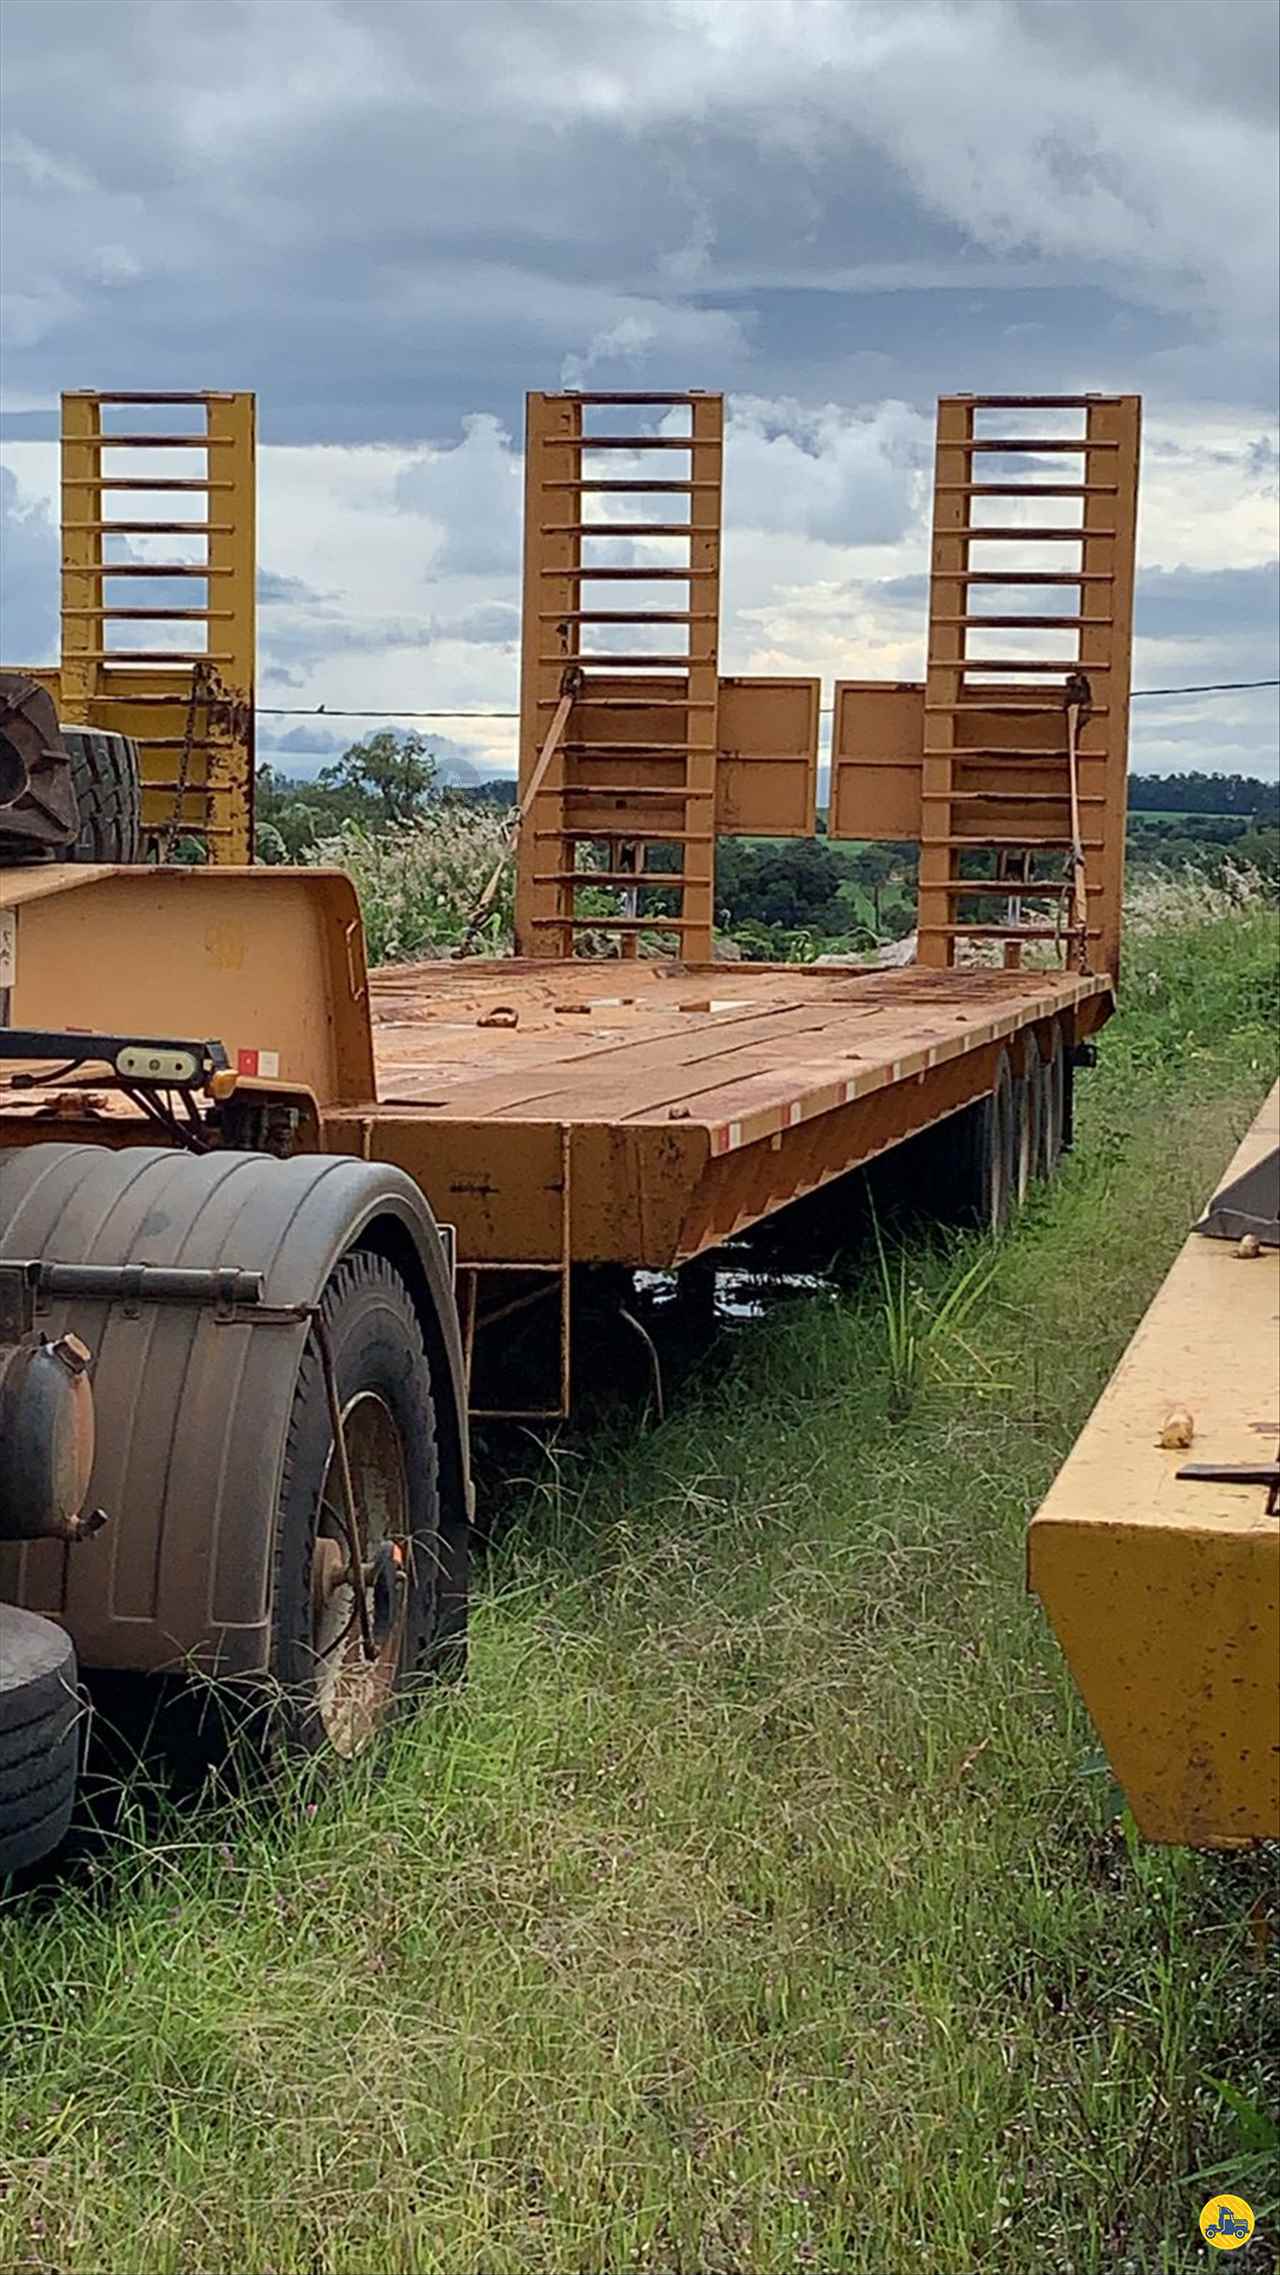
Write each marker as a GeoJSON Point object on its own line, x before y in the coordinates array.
{"type": "Point", "coordinates": [590, 1042]}
{"type": "Point", "coordinates": [693, 1099]}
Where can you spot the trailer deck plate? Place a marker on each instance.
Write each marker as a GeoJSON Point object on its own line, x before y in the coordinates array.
{"type": "Point", "coordinates": [745, 1048]}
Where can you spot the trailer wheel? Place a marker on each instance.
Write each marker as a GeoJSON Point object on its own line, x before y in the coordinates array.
{"type": "Point", "coordinates": [1027, 1108]}
{"type": "Point", "coordinates": [104, 771]}
{"type": "Point", "coordinates": [331, 1696]}
{"type": "Point", "coordinates": [985, 1156]}
{"type": "Point", "coordinates": [967, 1167]}
{"type": "Point", "coordinates": [39, 1751]}
{"type": "Point", "coordinates": [1052, 1103]}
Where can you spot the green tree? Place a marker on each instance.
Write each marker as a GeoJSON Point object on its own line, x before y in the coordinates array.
{"type": "Point", "coordinates": [396, 772]}
{"type": "Point", "coordinates": [873, 867]}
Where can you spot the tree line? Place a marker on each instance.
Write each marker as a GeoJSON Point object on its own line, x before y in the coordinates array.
{"type": "Point", "coordinates": [777, 897]}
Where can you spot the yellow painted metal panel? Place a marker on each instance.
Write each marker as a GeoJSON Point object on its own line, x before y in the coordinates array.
{"type": "Point", "coordinates": [266, 960]}
{"type": "Point", "coordinates": [767, 762]}
{"type": "Point", "coordinates": [877, 760]}
{"type": "Point", "coordinates": [1165, 1593]}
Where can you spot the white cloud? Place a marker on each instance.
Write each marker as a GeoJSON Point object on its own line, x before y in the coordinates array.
{"type": "Point", "coordinates": [852, 477]}
{"type": "Point", "coordinates": [470, 495]}
{"type": "Point", "coordinates": [28, 575]}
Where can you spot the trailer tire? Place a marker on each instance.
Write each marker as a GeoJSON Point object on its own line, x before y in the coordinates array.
{"type": "Point", "coordinates": [1027, 1119]}
{"type": "Point", "coordinates": [327, 1697]}
{"type": "Point", "coordinates": [984, 1156]}
{"type": "Point", "coordinates": [1053, 1102]}
{"type": "Point", "coordinates": [39, 1736]}
{"type": "Point", "coordinates": [104, 771]}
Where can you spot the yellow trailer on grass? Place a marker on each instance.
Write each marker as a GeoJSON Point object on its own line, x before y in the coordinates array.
{"type": "Point", "coordinates": [1157, 1551]}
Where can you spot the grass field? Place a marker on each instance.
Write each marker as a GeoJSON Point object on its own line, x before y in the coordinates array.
{"type": "Point", "coordinates": [762, 1905]}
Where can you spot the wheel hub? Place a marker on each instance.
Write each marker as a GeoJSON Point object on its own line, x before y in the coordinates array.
{"type": "Point", "coordinates": [353, 1690]}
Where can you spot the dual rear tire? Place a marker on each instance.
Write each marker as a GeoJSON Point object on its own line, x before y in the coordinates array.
{"type": "Point", "coordinates": [40, 1718]}
{"type": "Point", "coordinates": [330, 1695]}
{"type": "Point", "coordinates": [988, 1158]}
{"type": "Point", "coordinates": [233, 1510]}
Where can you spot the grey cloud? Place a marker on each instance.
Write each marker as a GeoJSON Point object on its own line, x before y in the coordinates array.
{"type": "Point", "coordinates": [1203, 606]}
{"type": "Point", "coordinates": [318, 634]}
{"type": "Point", "coordinates": [471, 492]}
{"type": "Point", "coordinates": [492, 624]}
{"type": "Point", "coordinates": [277, 591]}
{"type": "Point", "coordinates": [315, 740]}
{"type": "Point", "coordinates": [422, 213]}
{"type": "Point", "coordinates": [902, 592]}
{"type": "Point", "coordinates": [1264, 464]}
{"type": "Point", "coordinates": [300, 752]}
{"type": "Point", "coordinates": [394, 226]}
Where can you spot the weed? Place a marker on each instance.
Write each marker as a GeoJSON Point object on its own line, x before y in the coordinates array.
{"type": "Point", "coordinates": [752, 1910]}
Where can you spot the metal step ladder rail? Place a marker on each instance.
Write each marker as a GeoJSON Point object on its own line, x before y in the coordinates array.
{"type": "Point", "coordinates": [1024, 785]}
{"type": "Point", "coordinates": [610, 796]}
{"type": "Point", "coordinates": [189, 704]}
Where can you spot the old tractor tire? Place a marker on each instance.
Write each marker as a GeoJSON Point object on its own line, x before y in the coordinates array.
{"type": "Point", "coordinates": [331, 1698]}
{"type": "Point", "coordinates": [104, 770]}
{"type": "Point", "coordinates": [39, 1736]}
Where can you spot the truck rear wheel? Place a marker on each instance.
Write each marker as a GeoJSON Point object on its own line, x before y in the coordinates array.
{"type": "Point", "coordinates": [333, 1696]}
{"type": "Point", "coordinates": [215, 1453]}
{"type": "Point", "coordinates": [967, 1164]}
{"type": "Point", "coordinates": [104, 770]}
{"type": "Point", "coordinates": [39, 1736]}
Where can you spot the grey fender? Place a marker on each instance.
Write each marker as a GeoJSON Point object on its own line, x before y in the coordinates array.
{"type": "Point", "coordinates": [192, 1410]}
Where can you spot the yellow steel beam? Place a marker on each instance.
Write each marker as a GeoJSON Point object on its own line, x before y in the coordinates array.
{"type": "Point", "coordinates": [1163, 1592]}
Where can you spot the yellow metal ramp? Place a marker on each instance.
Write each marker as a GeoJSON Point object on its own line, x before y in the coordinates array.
{"type": "Point", "coordinates": [1164, 1590]}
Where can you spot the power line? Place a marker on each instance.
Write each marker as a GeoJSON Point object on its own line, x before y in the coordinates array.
{"type": "Point", "coordinates": [1213, 687]}
{"type": "Point", "coordinates": [323, 711]}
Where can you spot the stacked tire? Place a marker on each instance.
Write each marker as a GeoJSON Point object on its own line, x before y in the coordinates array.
{"type": "Point", "coordinates": [104, 770]}
{"type": "Point", "coordinates": [40, 1716]}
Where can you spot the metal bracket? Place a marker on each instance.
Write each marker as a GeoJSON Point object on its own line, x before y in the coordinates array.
{"type": "Point", "coordinates": [1237, 1473]}
{"type": "Point", "coordinates": [144, 1061]}
{"type": "Point", "coordinates": [17, 1301]}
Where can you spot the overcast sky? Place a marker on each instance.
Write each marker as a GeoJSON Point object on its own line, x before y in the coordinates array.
{"type": "Point", "coordinates": [391, 217]}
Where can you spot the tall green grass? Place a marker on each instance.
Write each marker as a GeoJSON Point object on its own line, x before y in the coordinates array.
{"type": "Point", "coordinates": [762, 1904]}
{"type": "Point", "coordinates": [420, 883]}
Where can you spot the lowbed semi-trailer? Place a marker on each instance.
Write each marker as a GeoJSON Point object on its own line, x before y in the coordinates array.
{"type": "Point", "coordinates": [267, 1221]}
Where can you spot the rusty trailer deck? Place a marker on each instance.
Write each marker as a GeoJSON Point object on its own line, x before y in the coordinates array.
{"type": "Point", "coordinates": [640, 1113]}
{"type": "Point", "coordinates": [555, 1112]}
